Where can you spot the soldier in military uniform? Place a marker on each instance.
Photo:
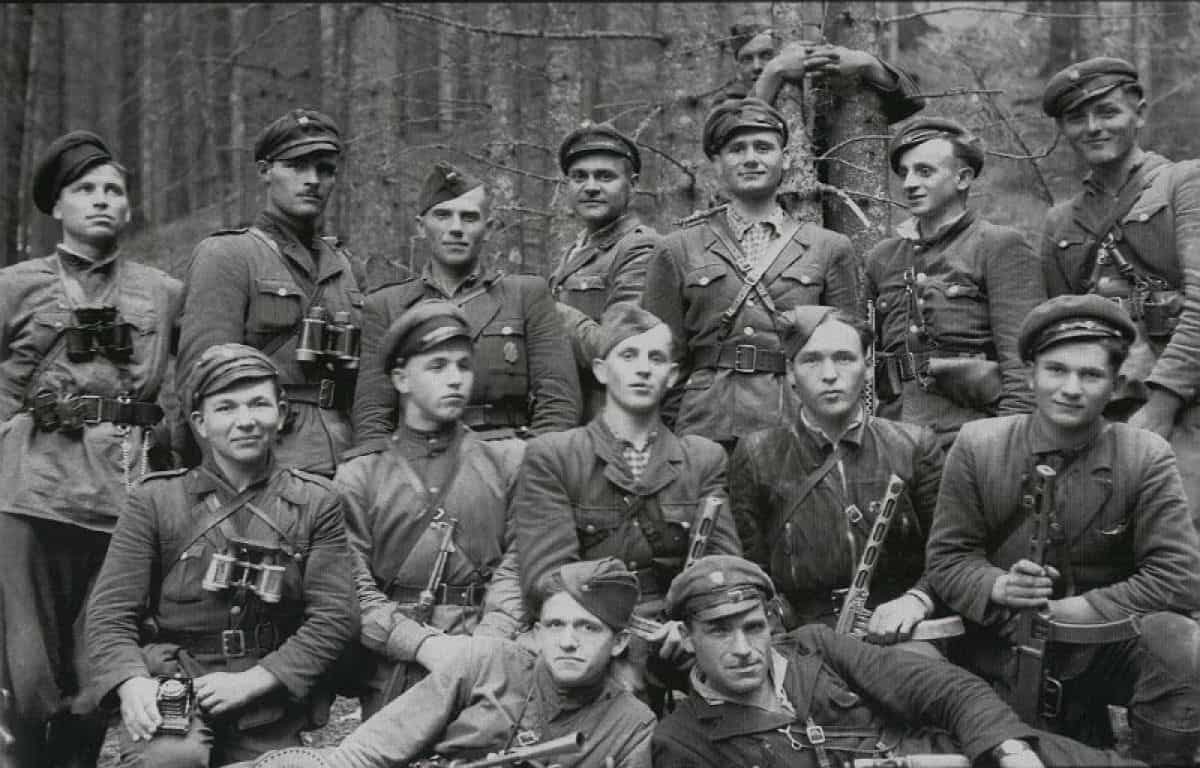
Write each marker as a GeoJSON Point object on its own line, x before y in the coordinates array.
{"type": "Point", "coordinates": [950, 291]}
{"type": "Point", "coordinates": [84, 339]}
{"type": "Point", "coordinates": [1119, 541]}
{"type": "Point", "coordinates": [806, 495]}
{"type": "Point", "coordinates": [525, 376]}
{"type": "Point", "coordinates": [607, 263]}
{"type": "Point", "coordinates": [1132, 235]}
{"type": "Point", "coordinates": [281, 287]}
{"type": "Point", "coordinates": [724, 282]}
{"type": "Point", "coordinates": [501, 694]}
{"type": "Point", "coordinates": [624, 485]}
{"type": "Point", "coordinates": [403, 491]}
{"type": "Point", "coordinates": [228, 579]}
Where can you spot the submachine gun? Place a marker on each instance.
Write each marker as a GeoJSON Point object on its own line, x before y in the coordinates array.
{"type": "Point", "coordinates": [519, 757]}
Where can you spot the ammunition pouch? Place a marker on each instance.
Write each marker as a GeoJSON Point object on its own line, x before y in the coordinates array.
{"type": "Point", "coordinates": [70, 414]}
{"type": "Point", "coordinates": [971, 382]}
{"type": "Point", "coordinates": [328, 394]}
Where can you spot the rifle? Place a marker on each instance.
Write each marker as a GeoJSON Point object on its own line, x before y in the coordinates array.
{"type": "Point", "coordinates": [571, 743]}
{"type": "Point", "coordinates": [914, 761]}
{"type": "Point", "coordinates": [425, 601]}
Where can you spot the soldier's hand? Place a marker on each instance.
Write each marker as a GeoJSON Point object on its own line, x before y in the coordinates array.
{"type": "Point", "coordinates": [1028, 759]}
{"type": "Point", "coordinates": [894, 620]}
{"type": "Point", "coordinates": [672, 643]}
{"type": "Point", "coordinates": [1026, 585]}
{"type": "Point", "coordinates": [221, 692]}
{"type": "Point", "coordinates": [1158, 414]}
{"type": "Point", "coordinates": [139, 707]}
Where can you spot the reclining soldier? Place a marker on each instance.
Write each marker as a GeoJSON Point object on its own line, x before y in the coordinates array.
{"type": "Point", "coordinates": [224, 597]}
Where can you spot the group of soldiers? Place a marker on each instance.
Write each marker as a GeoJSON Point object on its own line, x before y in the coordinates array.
{"type": "Point", "coordinates": [634, 514]}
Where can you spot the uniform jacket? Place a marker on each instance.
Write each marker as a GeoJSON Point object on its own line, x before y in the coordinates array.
{"type": "Point", "coordinates": [1132, 544]}
{"type": "Point", "coordinates": [979, 282]}
{"type": "Point", "coordinates": [500, 687]}
{"type": "Point", "coordinates": [521, 354]}
{"type": "Point", "coordinates": [1163, 230]}
{"type": "Point", "coordinates": [860, 694]}
{"type": "Point", "coordinates": [156, 560]}
{"type": "Point", "coordinates": [816, 549]}
{"type": "Point", "coordinates": [34, 310]}
{"type": "Point", "coordinates": [576, 500]}
{"type": "Point", "coordinates": [246, 289]}
{"type": "Point", "coordinates": [690, 283]}
{"type": "Point", "coordinates": [393, 543]}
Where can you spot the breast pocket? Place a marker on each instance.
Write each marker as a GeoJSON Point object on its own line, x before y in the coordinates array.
{"type": "Point", "coordinates": [45, 328]}
{"type": "Point", "coordinates": [275, 306]}
{"type": "Point", "coordinates": [799, 288]}
{"type": "Point", "coordinates": [955, 307]}
{"type": "Point", "coordinates": [587, 293]}
{"type": "Point", "coordinates": [502, 355]}
{"type": "Point", "coordinates": [705, 284]}
{"type": "Point", "coordinates": [679, 517]}
{"type": "Point", "coordinates": [596, 527]}
{"type": "Point", "coordinates": [184, 579]}
{"type": "Point", "coordinates": [1150, 234]}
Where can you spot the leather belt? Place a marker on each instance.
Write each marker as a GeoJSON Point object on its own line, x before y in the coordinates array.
{"type": "Point", "coordinates": [71, 413]}
{"type": "Point", "coordinates": [445, 594]}
{"type": "Point", "coordinates": [484, 415]}
{"type": "Point", "coordinates": [742, 358]}
{"type": "Point", "coordinates": [909, 365]}
{"type": "Point", "coordinates": [323, 395]}
{"type": "Point", "coordinates": [230, 643]}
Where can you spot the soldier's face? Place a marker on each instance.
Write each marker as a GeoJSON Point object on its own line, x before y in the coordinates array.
{"type": "Point", "coordinates": [934, 179]}
{"type": "Point", "coordinates": [240, 423]}
{"type": "Point", "coordinates": [733, 652]}
{"type": "Point", "coordinates": [828, 372]}
{"type": "Point", "coordinates": [752, 57]}
{"type": "Point", "coordinates": [638, 371]}
{"type": "Point", "coordinates": [458, 228]}
{"type": "Point", "coordinates": [298, 188]}
{"type": "Point", "coordinates": [94, 208]}
{"type": "Point", "coordinates": [436, 385]}
{"type": "Point", "coordinates": [750, 165]}
{"type": "Point", "coordinates": [1072, 383]}
{"type": "Point", "coordinates": [600, 185]}
{"type": "Point", "coordinates": [1104, 130]}
{"type": "Point", "coordinates": [576, 646]}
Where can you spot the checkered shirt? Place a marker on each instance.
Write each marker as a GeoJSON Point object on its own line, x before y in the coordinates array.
{"type": "Point", "coordinates": [636, 458]}
{"type": "Point", "coordinates": [755, 235]}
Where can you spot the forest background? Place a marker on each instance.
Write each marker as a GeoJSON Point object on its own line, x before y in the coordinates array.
{"type": "Point", "coordinates": [181, 90]}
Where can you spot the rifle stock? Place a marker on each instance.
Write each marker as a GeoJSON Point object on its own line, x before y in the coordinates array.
{"type": "Point", "coordinates": [425, 601]}
{"type": "Point", "coordinates": [1033, 623]}
{"type": "Point", "coordinates": [569, 744]}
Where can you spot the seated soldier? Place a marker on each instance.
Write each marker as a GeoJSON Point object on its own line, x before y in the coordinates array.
{"type": "Point", "coordinates": [500, 694]}
{"type": "Point", "coordinates": [623, 486]}
{"type": "Point", "coordinates": [1119, 540]}
{"type": "Point", "coordinates": [806, 495]}
{"type": "Point", "coordinates": [434, 486]}
{"type": "Point", "coordinates": [819, 698]}
{"type": "Point", "coordinates": [240, 564]}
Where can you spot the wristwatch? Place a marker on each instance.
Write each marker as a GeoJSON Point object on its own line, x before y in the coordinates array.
{"type": "Point", "coordinates": [1008, 748]}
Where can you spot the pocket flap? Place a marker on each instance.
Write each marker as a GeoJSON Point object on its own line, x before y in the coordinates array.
{"type": "Point", "coordinates": [702, 276]}
{"type": "Point", "coordinates": [277, 287]}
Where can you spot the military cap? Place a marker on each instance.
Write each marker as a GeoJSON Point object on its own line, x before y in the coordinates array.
{"type": "Point", "coordinates": [422, 328]}
{"type": "Point", "coordinates": [799, 324]}
{"type": "Point", "coordinates": [716, 586]}
{"type": "Point", "coordinates": [744, 31]}
{"type": "Point", "coordinates": [619, 322]}
{"type": "Point", "coordinates": [223, 365]}
{"type": "Point", "coordinates": [598, 137]}
{"type": "Point", "coordinates": [66, 159]}
{"type": "Point", "coordinates": [1073, 318]}
{"type": "Point", "coordinates": [444, 182]}
{"type": "Point", "coordinates": [1087, 80]}
{"type": "Point", "coordinates": [605, 588]}
{"type": "Point", "coordinates": [299, 132]}
{"type": "Point", "coordinates": [732, 115]}
{"type": "Point", "coordinates": [917, 132]}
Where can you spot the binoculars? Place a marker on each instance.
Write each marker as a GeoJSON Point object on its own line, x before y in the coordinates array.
{"type": "Point", "coordinates": [248, 565]}
{"type": "Point", "coordinates": [175, 697]}
{"type": "Point", "coordinates": [334, 341]}
{"type": "Point", "coordinates": [97, 332]}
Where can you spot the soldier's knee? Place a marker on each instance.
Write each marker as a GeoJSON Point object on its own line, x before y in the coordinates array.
{"type": "Point", "coordinates": [1172, 641]}
{"type": "Point", "coordinates": [172, 752]}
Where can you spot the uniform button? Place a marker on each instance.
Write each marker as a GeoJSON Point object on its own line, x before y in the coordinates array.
{"type": "Point", "coordinates": [235, 610]}
{"type": "Point", "coordinates": [589, 528]}
{"type": "Point", "coordinates": [625, 499]}
{"type": "Point", "coordinates": [882, 304]}
{"type": "Point", "coordinates": [805, 280]}
{"type": "Point", "coordinates": [507, 330]}
{"type": "Point", "coordinates": [282, 291]}
{"type": "Point", "coordinates": [1144, 217]}
{"type": "Point", "coordinates": [703, 281]}
{"type": "Point", "coordinates": [748, 330]}
{"type": "Point", "coordinates": [952, 290]}
{"type": "Point", "coordinates": [637, 524]}
{"type": "Point", "coordinates": [922, 277]}
{"type": "Point", "coordinates": [1063, 243]}
{"type": "Point", "coordinates": [913, 329]}
{"type": "Point", "coordinates": [750, 302]}
{"type": "Point", "coordinates": [920, 302]}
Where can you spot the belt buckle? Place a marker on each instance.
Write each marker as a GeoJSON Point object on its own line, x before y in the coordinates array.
{"type": "Point", "coordinates": [325, 394]}
{"type": "Point", "coordinates": [80, 406]}
{"type": "Point", "coordinates": [739, 358]}
{"type": "Point", "coordinates": [907, 365]}
{"type": "Point", "coordinates": [815, 734]}
{"type": "Point", "coordinates": [233, 643]}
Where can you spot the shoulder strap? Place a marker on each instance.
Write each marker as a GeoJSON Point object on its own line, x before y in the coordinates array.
{"type": "Point", "coordinates": [276, 343]}
{"type": "Point", "coordinates": [806, 488]}
{"type": "Point", "coordinates": [752, 280]}
{"type": "Point", "coordinates": [1125, 202]}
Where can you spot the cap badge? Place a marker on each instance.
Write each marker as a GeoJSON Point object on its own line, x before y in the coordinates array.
{"type": "Point", "coordinates": [1073, 75]}
{"type": "Point", "coordinates": [303, 120]}
{"type": "Point", "coordinates": [717, 578]}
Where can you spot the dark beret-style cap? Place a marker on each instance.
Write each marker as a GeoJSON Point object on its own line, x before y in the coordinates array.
{"type": "Point", "coordinates": [422, 328]}
{"type": "Point", "coordinates": [299, 132]}
{"type": "Point", "coordinates": [733, 115]}
{"type": "Point", "coordinates": [222, 365]}
{"type": "Point", "coordinates": [1073, 318]}
{"type": "Point", "coordinates": [598, 137]}
{"type": "Point", "coordinates": [716, 586]}
{"type": "Point", "coordinates": [1084, 81]}
{"type": "Point", "coordinates": [619, 322]}
{"type": "Point", "coordinates": [925, 129]}
{"type": "Point", "coordinates": [66, 159]}
{"type": "Point", "coordinates": [605, 588]}
{"type": "Point", "coordinates": [444, 182]}
{"type": "Point", "coordinates": [744, 31]}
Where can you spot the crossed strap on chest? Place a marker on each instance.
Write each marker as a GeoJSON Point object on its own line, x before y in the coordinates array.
{"type": "Point", "coordinates": [752, 280]}
{"type": "Point", "coordinates": [1108, 234]}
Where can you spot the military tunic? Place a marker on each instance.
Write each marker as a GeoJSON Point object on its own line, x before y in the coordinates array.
{"type": "Point", "coordinates": [388, 488]}
{"type": "Point", "coordinates": [733, 374]}
{"type": "Point", "coordinates": [253, 286]}
{"type": "Point", "coordinates": [524, 377]}
{"type": "Point", "coordinates": [158, 557]}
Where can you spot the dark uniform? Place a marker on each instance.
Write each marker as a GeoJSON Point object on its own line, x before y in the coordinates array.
{"type": "Point", "coordinates": [948, 305]}
{"type": "Point", "coordinates": [732, 368]}
{"type": "Point", "coordinates": [254, 285]}
{"type": "Point", "coordinates": [835, 698]}
{"type": "Point", "coordinates": [399, 493]}
{"type": "Point", "coordinates": [76, 417]}
{"type": "Point", "coordinates": [525, 379]}
{"type": "Point", "coordinates": [1130, 550]}
{"type": "Point", "coordinates": [151, 614]}
{"type": "Point", "coordinates": [1155, 225]}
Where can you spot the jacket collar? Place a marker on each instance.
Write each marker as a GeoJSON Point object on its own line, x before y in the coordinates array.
{"type": "Point", "coordinates": [316, 258]}
{"type": "Point", "coordinates": [909, 229]}
{"type": "Point", "coordinates": [587, 246]}
{"type": "Point", "coordinates": [722, 243]}
{"type": "Point", "coordinates": [666, 457]}
{"type": "Point", "coordinates": [554, 700]}
{"type": "Point", "coordinates": [852, 435]}
{"type": "Point", "coordinates": [793, 679]}
{"type": "Point", "coordinates": [481, 277]}
{"type": "Point", "coordinates": [208, 478]}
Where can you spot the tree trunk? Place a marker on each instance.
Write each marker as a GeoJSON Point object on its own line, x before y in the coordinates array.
{"type": "Point", "coordinates": [564, 110]}
{"type": "Point", "coordinates": [16, 36]}
{"type": "Point", "coordinates": [447, 71]}
{"type": "Point", "coordinates": [502, 54]}
{"type": "Point", "coordinates": [799, 187]}
{"type": "Point", "coordinates": [44, 106]}
{"type": "Point", "coordinates": [1066, 38]}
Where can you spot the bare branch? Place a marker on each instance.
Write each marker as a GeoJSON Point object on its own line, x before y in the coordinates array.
{"type": "Point", "coordinates": [1016, 12]}
{"type": "Point", "coordinates": [958, 92]}
{"type": "Point", "coordinates": [865, 137]}
{"type": "Point", "coordinates": [595, 34]}
{"type": "Point", "coordinates": [845, 198]}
